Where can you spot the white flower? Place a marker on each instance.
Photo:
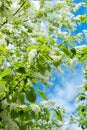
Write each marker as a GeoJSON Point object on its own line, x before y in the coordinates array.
{"type": "Point", "coordinates": [3, 41]}
{"type": "Point", "coordinates": [77, 18]}
{"type": "Point", "coordinates": [56, 58]}
{"type": "Point", "coordinates": [48, 103]}
{"type": "Point", "coordinates": [32, 54]}
{"type": "Point", "coordinates": [61, 2]}
{"type": "Point", "coordinates": [81, 46]}
{"type": "Point", "coordinates": [85, 65]}
{"type": "Point", "coordinates": [22, 106]}
{"type": "Point", "coordinates": [85, 33]}
{"type": "Point", "coordinates": [33, 40]}
{"type": "Point", "coordinates": [36, 108]}
{"type": "Point", "coordinates": [0, 3]}
{"type": "Point", "coordinates": [10, 46]}
{"type": "Point", "coordinates": [73, 62]}
{"type": "Point", "coordinates": [60, 70]}
{"type": "Point", "coordinates": [36, 4]}
{"type": "Point", "coordinates": [42, 78]}
{"type": "Point", "coordinates": [78, 6]}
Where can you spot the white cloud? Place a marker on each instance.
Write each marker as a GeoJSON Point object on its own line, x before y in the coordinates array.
{"type": "Point", "coordinates": [66, 89]}
{"type": "Point", "coordinates": [75, 127]}
{"type": "Point", "coordinates": [71, 127]}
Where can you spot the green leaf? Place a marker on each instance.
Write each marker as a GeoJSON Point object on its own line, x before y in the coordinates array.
{"type": "Point", "coordinates": [31, 95]}
{"type": "Point", "coordinates": [58, 114]}
{"type": "Point", "coordinates": [1, 58]}
{"type": "Point", "coordinates": [32, 47]}
{"type": "Point", "coordinates": [47, 114]}
{"type": "Point", "coordinates": [42, 94]}
{"type": "Point", "coordinates": [2, 95]}
{"type": "Point", "coordinates": [2, 82]}
{"type": "Point", "coordinates": [16, 65]}
{"type": "Point", "coordinates": [40, 13]}
{"type": "Point", "coordinates": [41, 67]}
{"type": "Point", "coordinates": [41, 39]}
{"type": "Point", "coordinates": [5, 72]}
{"type": "Point", "coordinates": [21, 98]}
{"type": "Point", "coordinates": [73, 52]}
{"type": "Point", "coordinates": [22, 127]}
{"type": "Point", "coordinates": [81, 96]}
{"type": "Point", "coordinates": [83, 18]}
{"type": "Point", "coordinates": [14, 97]}
{"type": "Point", "coordinates": [1, 125]}
{"type": "Point", "coordinates": [2, 49]}
{"type": "Point", "coordinates": [41, 3]}
{"type": "Point", "coordinates": [85, 87]}
{"type": "Point", "coordinates": [45, 48]}
{"type": "Point", "coordinates": [13, 114]}
{"type": "Point", "coordinates": [21, 70]}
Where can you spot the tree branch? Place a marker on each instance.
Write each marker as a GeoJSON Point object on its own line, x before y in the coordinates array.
{"type": "Point", "coordinates": [4, 23]}
{"type": "Point", "coordinates": [14, 13]}
{"type": "Point", "coordinates": [19, 8]}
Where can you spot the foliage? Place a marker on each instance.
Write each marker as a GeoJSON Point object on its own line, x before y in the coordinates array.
{"type": "Point", "coordinates": [29, 50]}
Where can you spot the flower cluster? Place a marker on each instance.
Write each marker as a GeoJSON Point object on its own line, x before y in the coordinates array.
{"type": "Point", "coordinates": [32, 54]}
{"type": "Point", "coordinates": [49, 103]}
{"type": "Point", "coordinates": [36, 108]}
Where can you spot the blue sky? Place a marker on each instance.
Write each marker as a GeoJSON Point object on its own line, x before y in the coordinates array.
{"type": "Point", "coordinates": [64, 88]}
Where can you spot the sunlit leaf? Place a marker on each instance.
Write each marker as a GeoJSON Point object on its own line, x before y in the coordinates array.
{"type": "Point", "coordinates": [32, 47]}
{"type": "Point", "coordinates": [5, 72]}
{"type": "Point", "coordinates": [42, 94]}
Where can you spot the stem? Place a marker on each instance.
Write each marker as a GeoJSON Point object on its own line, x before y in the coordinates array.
{"type": "Point", "coordinates": [4, 23]}
{"type": "Point", "coordinates": [14, 13]}
{"type": "Point", "coordinates": [19, 8]}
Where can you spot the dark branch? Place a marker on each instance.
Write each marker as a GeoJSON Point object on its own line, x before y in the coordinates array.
{"type": "Point", "coordinates": [30, 18]}
{"type": "Point", "coordinates": [4, 23]}
{"type": "Point", "coordinates": [19, 8]}
{"type": "Point", "coordinates": [14, 13]}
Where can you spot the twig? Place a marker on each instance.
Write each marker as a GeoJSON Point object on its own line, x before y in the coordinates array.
{"type": "Point", "coordinates": [4, 23]}
{"type": "Point", "coordinates": [19, 8]}
{"type": "Point", "coordinates": [14, 13]}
